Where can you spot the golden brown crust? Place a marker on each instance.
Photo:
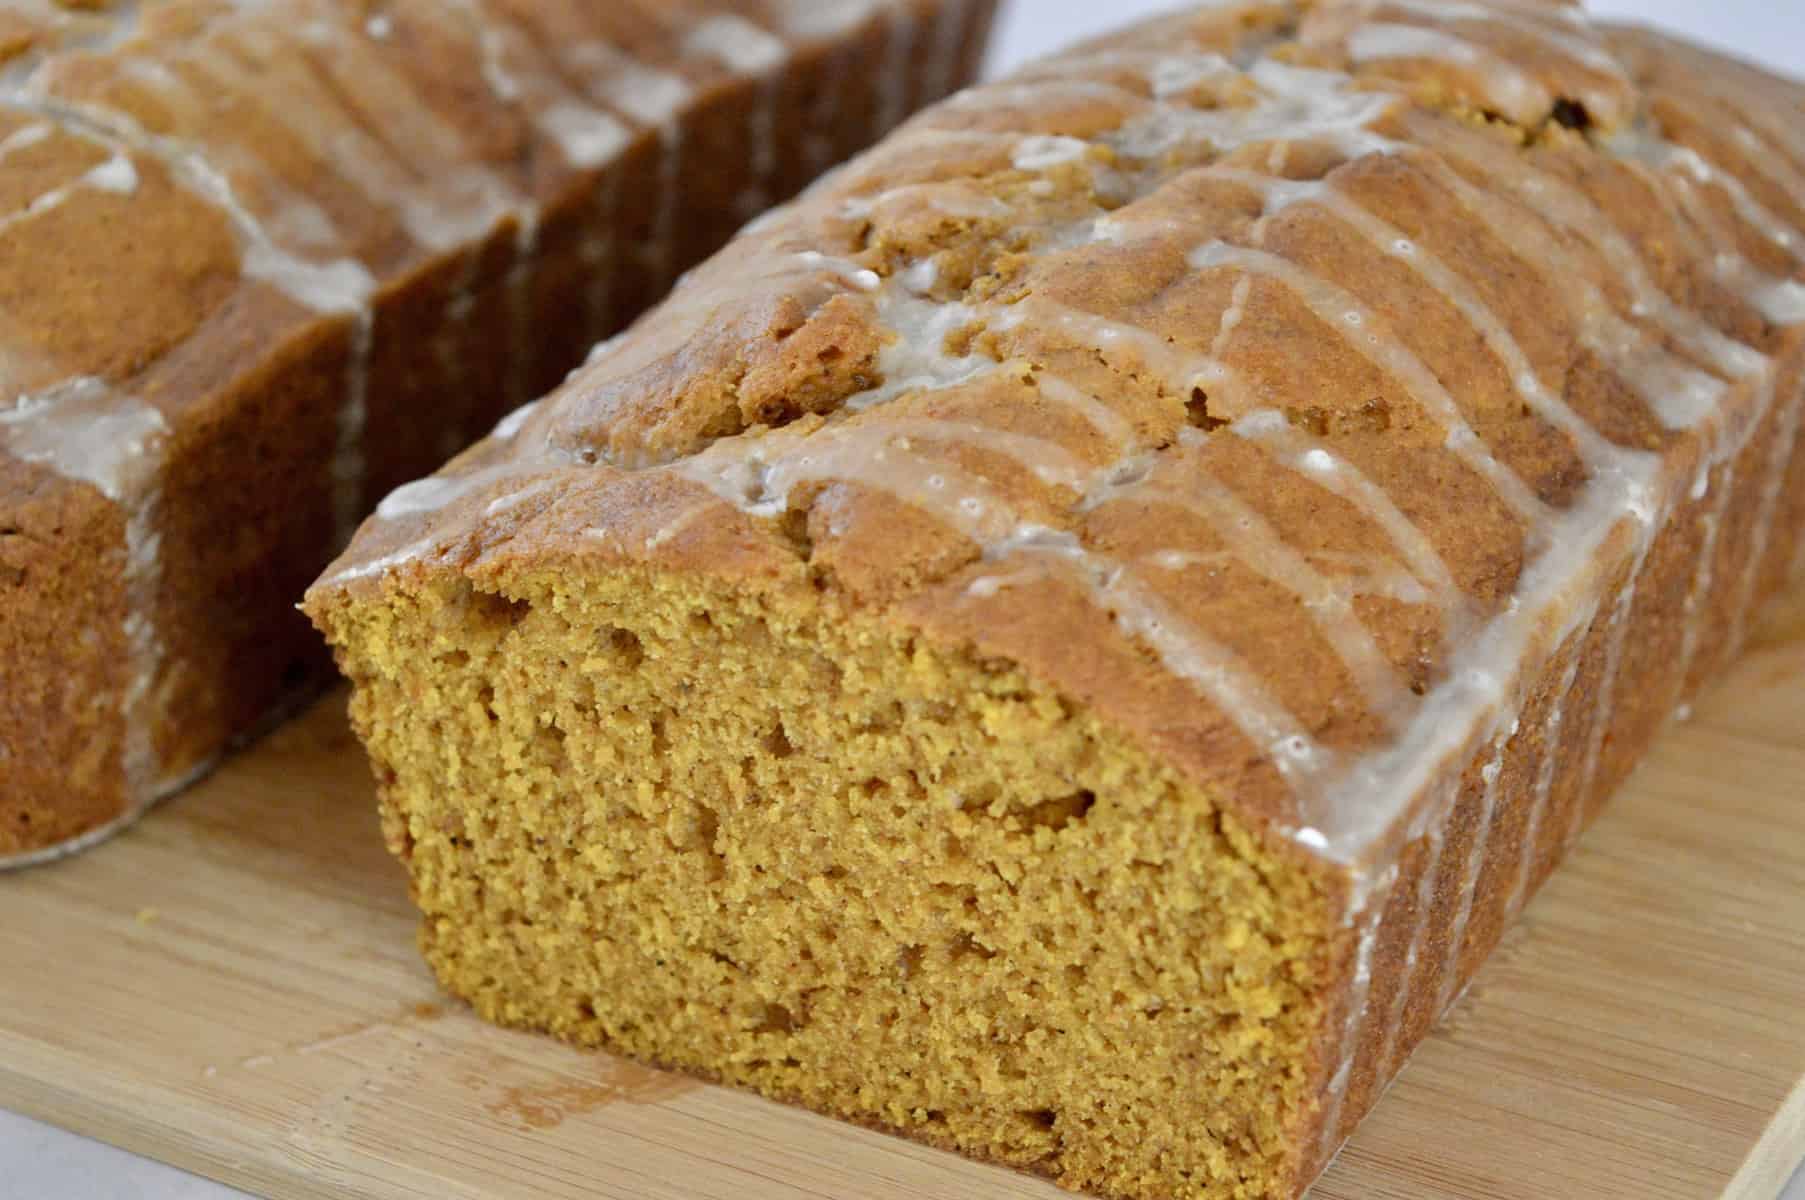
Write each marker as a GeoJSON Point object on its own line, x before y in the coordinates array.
{"type": "Point", "coordinates": [368, 231]}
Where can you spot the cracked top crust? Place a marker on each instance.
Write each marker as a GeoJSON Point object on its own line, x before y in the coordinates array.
{"type": "Point", "coordinates": [302, 156]}
{"type": "Point", "coordinates": [1287, 381]}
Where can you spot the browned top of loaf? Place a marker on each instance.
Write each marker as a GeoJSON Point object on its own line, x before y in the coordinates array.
{"type": "Point", "coordinates": [186, 183]}
{"type": "Point", "coordinates": [1276, 378]}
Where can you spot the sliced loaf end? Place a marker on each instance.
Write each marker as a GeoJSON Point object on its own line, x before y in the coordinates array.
{"type": "Point", "coordinates": [736, 829]}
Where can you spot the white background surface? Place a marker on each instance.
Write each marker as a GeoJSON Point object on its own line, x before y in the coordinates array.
{"type": "Point", "coordinates": [40, 1163]}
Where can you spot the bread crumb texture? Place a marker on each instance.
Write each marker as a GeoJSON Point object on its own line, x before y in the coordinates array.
{"type": "Point", "coordinates": [788, 847]}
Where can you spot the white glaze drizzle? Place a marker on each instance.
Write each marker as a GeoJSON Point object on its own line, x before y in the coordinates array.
{"type": "Point", "coordinates": [1779, 300]}
{"type": "Point", "coordinates": [1633, 488]}
{"type": "Point", "coordinates": [1360, 574]}
{"type": "Point", "coordinates": [737, 43]}
{"type": "Point", "coordinates": [1253, 540]}
{"type": "Point", "coordinates": [86, 431]}
{"type": "Point", "coordinates": [519, 76]}
{"type": "Point", "coordinates": [429, 495]}
{"type": "Point", "coordinates": [1679, 394]}
{"type": "Point", "coordinates": [1292, 446]}
{"type": "Point", "coordinates": [1514, 91]}
{"type": "Point", "coordinates": [450, 208]}
{"type": "Point", "coordinates": [1704, 575]}
{"type": "Point", "coordinates": [952, 201]}
{"type": "Point", "coordinates": [434, 492]}
{"type": "Point", "coordinates": [1782, 170]}
{"type": "Point", "coordinates": [1048, 150]}
{"type": "Point", "coordinates": [25, 137]}
{"type": "Point", "coordinates": [589, 137]}
{"type": "Point", "coordinates": [1690, 165]}
{"type": "Point", "coordinates": [1635, 471]}
{"type": "Point", "coordinates": [1569, 42]}
{"type": "Point", "coordinates": [116, 175]}
{"type": "Point", "coordinates": [1785, 444]}
{"type": "Point", "coordinates": [1451, 286]}
{"type": "Point", "coordinates": [60, 29]}
{"type": "Point", "coordinates": [1736, 359]}
{"type": "Point", "coordinates": [1365, 332]}
{"type": "Point", "coordinates": [510, 426]}
{"type": "Point", "coordinates": [1183, 369]}
{"type": "Point", "coordinates": [1542, 796]}
{"type": "Point", "coordinates": [477, 200]}
{"type": "Point", "coordinates": [291, 220]}
{"type": "Point", "coordinates": [1425, 897]}
{"type": "Point", "coordinates": [1299, 104]}
{"type": "Point", "coordinates": [917, 360]}
{"type": "Point", "coordinates": [1616, 646]}
{"type": "Point", "coordinates": [343, 286]}
{"type": "Point", "coordinates": [1564, 205]}
{"type": "Point", "coordinates": [1366, 921]}
{"type": "Point", "coordinates": [1490, 775]}
{"type": "Point", "coordinates": [824, 18]}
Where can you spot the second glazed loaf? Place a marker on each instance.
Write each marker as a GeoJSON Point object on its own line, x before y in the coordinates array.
{"type": "Point", "coordinates": [261, 263]}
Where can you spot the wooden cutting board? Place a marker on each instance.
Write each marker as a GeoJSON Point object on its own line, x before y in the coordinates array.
{"type": "Point", "coordinates": [232, 987]}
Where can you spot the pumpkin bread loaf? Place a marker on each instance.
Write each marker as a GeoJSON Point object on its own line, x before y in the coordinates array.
{"type": "Point", "coordinates": [261, 263]}
{"type": "Point", "coordinates": [1072, 641]}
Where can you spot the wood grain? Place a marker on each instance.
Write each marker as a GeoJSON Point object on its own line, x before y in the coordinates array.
{"type": "Point", "coordinates": [232, 987]}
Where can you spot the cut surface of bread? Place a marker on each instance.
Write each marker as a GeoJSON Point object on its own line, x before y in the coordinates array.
{"type": "Point", "coordinates": [760, 838]}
